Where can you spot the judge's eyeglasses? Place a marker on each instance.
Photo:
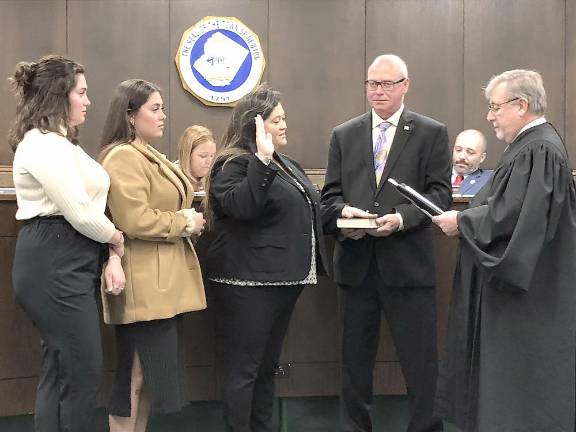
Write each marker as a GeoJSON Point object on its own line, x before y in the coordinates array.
{"type": "Point", "coordinates": [495, 107]}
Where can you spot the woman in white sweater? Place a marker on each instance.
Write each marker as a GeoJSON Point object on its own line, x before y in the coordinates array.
{"type": "Point", "coordinates": [61, 194]}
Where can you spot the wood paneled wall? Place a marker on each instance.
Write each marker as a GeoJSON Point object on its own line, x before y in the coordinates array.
{"type": "Point", "coordinates": [317, 52]}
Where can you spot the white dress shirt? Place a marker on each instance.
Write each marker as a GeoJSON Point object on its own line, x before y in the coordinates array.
{"type": "Point", "coordinates": [390, 133]}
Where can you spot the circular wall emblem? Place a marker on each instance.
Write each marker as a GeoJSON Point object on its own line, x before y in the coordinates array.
{"type": "Point", "coordinates": [220, 60]}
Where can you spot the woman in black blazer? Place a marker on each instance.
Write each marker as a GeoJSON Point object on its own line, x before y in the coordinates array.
{"type": "Point", "coordinates": [268, 245]}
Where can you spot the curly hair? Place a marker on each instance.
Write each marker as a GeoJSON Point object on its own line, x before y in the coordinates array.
{"type": "Point", "coordinates": [42, 89]}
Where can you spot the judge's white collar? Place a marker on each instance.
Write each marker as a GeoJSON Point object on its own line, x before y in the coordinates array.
{"type": "Point", "coordinates": [537, 122]}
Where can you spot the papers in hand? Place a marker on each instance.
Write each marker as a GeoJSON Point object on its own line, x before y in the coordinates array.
{"type": "Point", "coordinates": [356, 223]}
{"type": "Point", "coordinates": [420, 201]}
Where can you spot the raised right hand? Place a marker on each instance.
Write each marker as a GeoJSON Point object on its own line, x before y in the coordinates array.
{"type": "Point", "coordinates": [263, 139]}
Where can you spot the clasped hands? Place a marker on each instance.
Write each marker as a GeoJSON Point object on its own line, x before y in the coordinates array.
{"type": "Point", "coordinates": [114, 276]}
{"type": "Point", "coordinates": [387, 224]}
{"type": "Point", "coordinates": [194, 222]}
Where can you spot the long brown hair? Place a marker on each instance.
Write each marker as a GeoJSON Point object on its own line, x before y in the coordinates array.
{"type": "Point", "coordinates": [42, 89]}
{"type": "Point", "coordinates": [192, 137]}
{"type": "Point", "coordinates": [240, 137]}
{"type": "Point", "coordinates": [128, 97]}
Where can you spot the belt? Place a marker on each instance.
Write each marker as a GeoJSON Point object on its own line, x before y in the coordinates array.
{"type": "Point", "coordinates": [46, 219]}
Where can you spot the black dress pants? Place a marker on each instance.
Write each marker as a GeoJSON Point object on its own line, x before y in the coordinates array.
{"type": "Point", "coordinates": [251, 325]}
{"type": "Point", "coordinates": [411, 316]}
{"type": "Point", "coordinates": [55, 276]}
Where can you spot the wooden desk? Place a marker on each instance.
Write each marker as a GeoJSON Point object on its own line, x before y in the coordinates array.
{"type": "Point", "coordinates": [312, 344]}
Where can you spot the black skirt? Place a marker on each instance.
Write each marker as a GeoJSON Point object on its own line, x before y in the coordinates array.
{"type": "Point", "coordinates": [160, 349]}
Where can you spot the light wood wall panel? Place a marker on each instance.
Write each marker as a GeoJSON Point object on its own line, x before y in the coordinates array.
{"type": "Point", "coordinates": [185, 109]}
{"type": "Point", "coordinates": [116, 41]}
{"type": "Point", "coordinates": [29, 29]}
{"type": "Point", "coordinates": [317, 62]}
{"type": "Point", "coordinates": [512, 34]}
{"type": "Point", "coordinates": [427, 34]}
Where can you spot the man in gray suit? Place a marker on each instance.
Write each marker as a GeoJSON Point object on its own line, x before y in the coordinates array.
{"type": "Point", "coordinates": [389, 269]}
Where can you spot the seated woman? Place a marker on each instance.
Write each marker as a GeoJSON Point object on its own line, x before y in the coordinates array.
{"type": "Point", "coordinates": [267, 246]}
{"type": "Point", "coordinates": [150, 200]}
{"type": "Point", "coordinates": [196, 150]}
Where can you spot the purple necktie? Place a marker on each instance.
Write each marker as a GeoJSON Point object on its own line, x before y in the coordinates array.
{"type": "Point", "coordinates": [380, 151]}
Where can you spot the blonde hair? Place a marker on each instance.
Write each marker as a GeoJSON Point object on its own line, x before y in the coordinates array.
{"type": "Point", "coordinates": [192, 137]}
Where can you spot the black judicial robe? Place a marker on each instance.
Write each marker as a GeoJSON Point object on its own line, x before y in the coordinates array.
{"type": "Point", "coordinates": [509, 364]}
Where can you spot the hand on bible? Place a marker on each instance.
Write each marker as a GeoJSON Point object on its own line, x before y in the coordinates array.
{"type": "Point", "coordinates": [349, 212]}
{"type": "Point", "coordinates": [387, 225]}
{"type": "Point", "coordinates": [448, 222]}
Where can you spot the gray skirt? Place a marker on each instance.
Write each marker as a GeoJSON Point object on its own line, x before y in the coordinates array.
{"type": "Point", "coordinates": [160, 349]}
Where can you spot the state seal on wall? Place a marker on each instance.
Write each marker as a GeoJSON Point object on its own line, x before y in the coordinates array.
{"type": "Point", "coordinates": [220, 60]}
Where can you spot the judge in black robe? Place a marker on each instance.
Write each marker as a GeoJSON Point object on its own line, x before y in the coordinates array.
{"type": "Point", "coordinates": [509, 364]}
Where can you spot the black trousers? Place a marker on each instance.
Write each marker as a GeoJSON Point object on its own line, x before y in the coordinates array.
{"type": "Point", "coordinates": [411, 316]}
{"type": "Point", "coordinates": [55, 276]}
{"type": "Point", "coordinates": [251, 325]}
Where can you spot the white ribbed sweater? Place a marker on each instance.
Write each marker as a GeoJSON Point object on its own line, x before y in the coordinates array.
{"type": "Point", "coordinates": [52, 176]}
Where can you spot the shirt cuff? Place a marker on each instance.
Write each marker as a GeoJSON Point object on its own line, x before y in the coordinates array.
{"type": "Point", "coordinates": [401, 220]}
{"type": "Point", "coordinates": [265, 160]}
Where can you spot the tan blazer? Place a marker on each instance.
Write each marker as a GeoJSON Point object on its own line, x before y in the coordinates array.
{"type": "Point", "coordinates": [163, 276]}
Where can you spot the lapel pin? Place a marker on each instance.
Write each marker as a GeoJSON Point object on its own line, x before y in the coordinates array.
{"type": "Point", "coordinates": [407, 127]}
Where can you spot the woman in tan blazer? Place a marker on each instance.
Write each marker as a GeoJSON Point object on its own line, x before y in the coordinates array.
{"type": "Point", "coordinates": [149, 200]}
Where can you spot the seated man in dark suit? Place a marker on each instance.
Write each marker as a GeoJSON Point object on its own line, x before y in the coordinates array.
{"type": "Point", "coordinates": [469, 152]}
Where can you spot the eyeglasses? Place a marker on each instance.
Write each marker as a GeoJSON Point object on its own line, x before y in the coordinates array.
{"type": "Point", "coordinates": [386, 85]}
{"type": "Point", "coordinates": [495, 107]}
